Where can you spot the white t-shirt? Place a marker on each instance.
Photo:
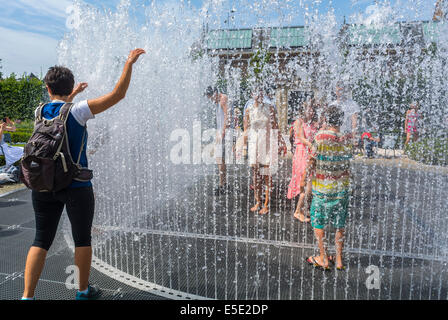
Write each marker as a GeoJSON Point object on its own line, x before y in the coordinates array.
{"type": "Point", "coordinates": [80, 111]}
{"type": "Point", "coordinates": [266, 100]}
{"type": "Point", "coordinates": [349, 107]}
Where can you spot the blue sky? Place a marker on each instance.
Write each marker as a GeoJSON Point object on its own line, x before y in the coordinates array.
{"type": "Point", "coordinates": [31, 29]}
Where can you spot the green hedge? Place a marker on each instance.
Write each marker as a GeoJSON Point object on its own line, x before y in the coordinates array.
{"type": "Point", "coordinates": [20, 97]}
{"type": "Point", "coordinates": [17, 137]}
{"type": "Point", "coordinates": [432, 151]}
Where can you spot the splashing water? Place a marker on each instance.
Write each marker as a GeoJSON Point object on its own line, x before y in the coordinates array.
{"type": "Point", "coordinates": [158, 223]}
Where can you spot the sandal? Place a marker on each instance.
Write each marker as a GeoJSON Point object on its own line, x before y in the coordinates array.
{"type": "Point", "coordinates": [313, 262]}
{"type": "Point", "coordinates": [331, 259]}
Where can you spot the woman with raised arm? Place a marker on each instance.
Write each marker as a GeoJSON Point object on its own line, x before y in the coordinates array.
{"type": "Point", "coordinates": [78, 198]}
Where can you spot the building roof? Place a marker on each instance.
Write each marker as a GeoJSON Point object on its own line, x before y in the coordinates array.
{"type": "Point", "coordinates": [431, 31]}
{"type": "Point", "coordinates": [230, 39]}
{"type": "Point", "coordinates": [294, 37]}
{"type": "Point", "coordinates": [359, 34]}
{"type": "Point", "coordinates": [288, 37]}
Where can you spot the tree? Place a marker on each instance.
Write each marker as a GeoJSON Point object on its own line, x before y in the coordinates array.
{"type": "Point", "coordinates": [1, 74]}
{"type": "Point", "coordinates": [20, 97]}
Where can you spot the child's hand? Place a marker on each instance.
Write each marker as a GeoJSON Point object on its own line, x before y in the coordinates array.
{"type": "Point", "coordinates": [134, 55]}
{"type": "Point", "coordinates": [80, 87]}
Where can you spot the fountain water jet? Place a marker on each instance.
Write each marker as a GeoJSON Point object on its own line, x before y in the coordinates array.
{"type": "Point", "coordinates": [158, 225]}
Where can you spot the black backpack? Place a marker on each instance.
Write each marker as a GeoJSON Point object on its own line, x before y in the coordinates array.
{"type": "Point", "coordinates": [47, 165]}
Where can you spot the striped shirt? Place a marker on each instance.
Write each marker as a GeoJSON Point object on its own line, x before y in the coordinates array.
{"type": "Point", "coordinates": [331, 178]}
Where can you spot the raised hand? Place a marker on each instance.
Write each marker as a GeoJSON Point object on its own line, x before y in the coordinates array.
{"type": "Point", "coordinates": [80, 87]}
{"type": "Point", "coordinates": [134, 55]}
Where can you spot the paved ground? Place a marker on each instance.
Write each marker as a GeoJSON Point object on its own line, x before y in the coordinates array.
{"type": "Point", "coordinates": [17, 234]}
{"type": "Point", "coordinates": [7, 188]}
{"type": "Point", "coordinates": [214, 247]}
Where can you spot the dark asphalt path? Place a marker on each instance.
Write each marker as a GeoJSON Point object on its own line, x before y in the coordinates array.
{"type": "Point", "coordinates": [16, 236]}
{"type": "Point", "coordinates": [214, 247]}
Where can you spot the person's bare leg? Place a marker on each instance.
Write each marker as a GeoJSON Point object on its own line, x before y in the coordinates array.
{"type": "Point", "coordinates": [308, 197]}
{"type": "Point", "coordinates": [267, 187]}
{"type": "Point", "coordinates": [339, 244]}
{"type": "Point", "coordinates": [222, 174]}
{"type": "Point", "coordinates": [299, 213]}
{"type": "Point", "coordinates": [415, 137]}
{"type": "Point", "coordinates": [322, 259]}
{"type": "Point", "coordinates": [257, 192]}
{"type": "Point", "coordinates": [408, 138]}
{"type": "Point", "coordinates": [35, 263]}
{"type": "Point", "coordinates": [83, 260]}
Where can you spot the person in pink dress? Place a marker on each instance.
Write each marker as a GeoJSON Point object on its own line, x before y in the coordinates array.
{"type": "Point", "coordinates": [305, 128]}
{"type": "Point", "coordinates": [411, 123]}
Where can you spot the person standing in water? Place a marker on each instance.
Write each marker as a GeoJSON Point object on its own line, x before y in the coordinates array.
{"type": "Point", "coordinates": [12, 154]}
{"type": "Point", "coordinates": [350, 108]}
{"type": "Point", "coordinates": [329, 168]}
{"type": "Point", "coordinates": [260, 124]}
{"type": "Point", "coordinates": [221, 102]}
{"type": "Point", "coordinates": [305, 129]}
{"type": "Point", "coordinates": [78, 198]}
{"type": "Point", "coordinates": [411, 123]}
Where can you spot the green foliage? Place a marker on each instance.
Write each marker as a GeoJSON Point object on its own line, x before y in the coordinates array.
{"type": "Point", "coordinates": [24, 136]}
{"type": "Point", "coordinates": [20, 97]}
{"type": "Point", "coordinates": [258, 63]}
{"type": "Point", "coordinates": [431, 151]}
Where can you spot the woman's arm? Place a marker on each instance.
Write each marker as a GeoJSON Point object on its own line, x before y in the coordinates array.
{"type": "Point", "coordinates": [225, 107]}
{"type": "Point", "coordinates": [274, 125]}
{"type": "Point", "coordinates": [406, 122]}
{"type": "Point", "coordinates": [301, 135]}
{"type": "Point", "coordinates": [246, 125]}
{"type": "Point", "coordinates": [9, 125]}
{"type": "Point", "coordinates": [2, 126]}
{"type": "Point", "coordinates": [103, 103]}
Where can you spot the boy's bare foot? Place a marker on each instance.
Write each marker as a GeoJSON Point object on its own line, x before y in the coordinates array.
{"type": "Point", "coordinates": [264, 210]}
{"type": "Point", "coordinates": [256, 207]}
{"type": "Point", "coordinates": [317, 262]}
{"type": "Point", "coordinates": [301, 217]}
{"type": "Point", "coordinates": [338, 263]}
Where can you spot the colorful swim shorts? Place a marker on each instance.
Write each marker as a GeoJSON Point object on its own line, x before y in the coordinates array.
{"type": "Point", "coordinates": [327, 210]}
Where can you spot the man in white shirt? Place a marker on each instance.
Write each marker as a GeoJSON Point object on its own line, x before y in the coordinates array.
{"type": "Point", "coordinates": [350, 108]}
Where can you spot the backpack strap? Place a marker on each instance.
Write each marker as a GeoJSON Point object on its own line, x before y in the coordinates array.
{"type": "Point", "coordinates": [64, 111]}
{"type": "Point", "coordinates": [38, 113]}
{"type": "Point", "coordinates": [82, 145]}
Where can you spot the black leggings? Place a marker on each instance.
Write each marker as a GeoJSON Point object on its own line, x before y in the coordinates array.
{"type": "Point", "coordinates": [48, 208]}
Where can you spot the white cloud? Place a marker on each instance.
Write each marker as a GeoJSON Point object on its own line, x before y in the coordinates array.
{"type": "Point", "coordinates": [50, 8]}
{"type": "Point", "coordinates": [26, 51]}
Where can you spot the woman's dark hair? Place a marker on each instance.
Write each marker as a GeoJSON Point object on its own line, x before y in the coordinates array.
{"type": "Point", "coordinates": [312, 103]}
{"type": "Point", "coordinates": [211, 91]}
{"type": "Point", "coordinates": [60, 80]}
{"type": "Point", "coordinates": [334, 116]}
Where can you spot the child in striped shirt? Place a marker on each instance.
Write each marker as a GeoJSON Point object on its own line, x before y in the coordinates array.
{"type": "Point", "coordinates": [329, 167]}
